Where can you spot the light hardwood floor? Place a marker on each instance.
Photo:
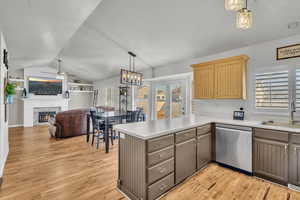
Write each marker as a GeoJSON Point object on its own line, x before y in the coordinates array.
{"type": "Point", "coordinates": [42, 168]}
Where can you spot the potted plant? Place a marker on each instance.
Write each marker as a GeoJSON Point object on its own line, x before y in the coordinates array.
{"type": "Point", "coordinates": [10, 92]}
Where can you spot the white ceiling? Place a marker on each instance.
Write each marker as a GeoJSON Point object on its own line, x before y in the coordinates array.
{"type": "Point", "coordinates": [93, 36]}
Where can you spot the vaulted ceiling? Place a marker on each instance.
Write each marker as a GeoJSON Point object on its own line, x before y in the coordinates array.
{"type": "Point", "coordinates": [93, 36]}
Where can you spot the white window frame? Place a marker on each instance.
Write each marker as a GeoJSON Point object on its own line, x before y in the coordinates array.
{"type": "Point", "coordinates": [291, 68]}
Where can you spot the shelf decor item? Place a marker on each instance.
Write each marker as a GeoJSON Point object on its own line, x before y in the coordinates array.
{"type": "Point", "coordinates": [5, 58]}
{"type": "Point", "coordinates": [130, 76]}
{"type": "Point", "coordinates": [291, 51]}
{"type": "Point", "coordinates": [123, 99]}
{"type": "Point", "coordinates": [10, 92]}
{"type": "Point", "coordinates": [234, 5]}
{"type": "Point", "coordinates": [24, 93]}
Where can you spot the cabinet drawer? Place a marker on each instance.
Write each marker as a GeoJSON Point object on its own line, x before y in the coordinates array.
{"type": "Point", "coordinates": [185, 135]}
{"type": "Point", "coordinates": [160, 143]}
{"type": "Point", "coordinates": [203, 129]}
{"type": "Point", "coordinates": [295, 138]}
{"type": "Point", "coordinates": [160, 187]}
{"type": "Point", "coordinates": [161, 155]}
{"type": "Point", "coordinates": [271, 134]}
{"type": "Point", "coordinates": [158, 171]}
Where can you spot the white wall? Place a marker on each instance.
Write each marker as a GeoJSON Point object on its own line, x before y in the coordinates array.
{"type": "Point", "coordinates": [262, 57]}
{"type": "Point", "coordinates": [4, 146]}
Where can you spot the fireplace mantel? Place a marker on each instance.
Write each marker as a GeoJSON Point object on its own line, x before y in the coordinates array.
{"type": "Point", "coordinates": [41, 102]}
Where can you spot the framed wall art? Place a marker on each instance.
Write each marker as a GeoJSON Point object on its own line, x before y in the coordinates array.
{"type": "Point", "coordinates": [291, 51]}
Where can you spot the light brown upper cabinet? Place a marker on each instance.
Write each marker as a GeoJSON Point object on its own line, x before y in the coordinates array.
{"type": "Point", "coordinates": [221, 79]}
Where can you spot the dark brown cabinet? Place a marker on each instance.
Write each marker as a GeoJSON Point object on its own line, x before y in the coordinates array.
{"type": "Point", "coordinates": [271, 159]}
{"type": "Point", "coordinates": [203, 150]}
{"type": "Point", "coordinates": [294, 159]}
{"type": "Point", "coordinates": [294, 171]}
{"type": "Point", "coordinates": [185, 159]}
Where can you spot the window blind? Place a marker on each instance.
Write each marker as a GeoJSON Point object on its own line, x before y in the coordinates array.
{"type": "Point", "coordinates": [272, 90]}
{"type": "Point", "coordinates": [298, 89]}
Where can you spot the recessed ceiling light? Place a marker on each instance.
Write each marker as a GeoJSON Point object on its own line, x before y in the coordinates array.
{"type": "Point", "coordinates": [293, 25]}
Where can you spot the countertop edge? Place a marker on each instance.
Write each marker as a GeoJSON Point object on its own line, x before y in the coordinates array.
{"type": "Point", "coordinates": [246, 123]}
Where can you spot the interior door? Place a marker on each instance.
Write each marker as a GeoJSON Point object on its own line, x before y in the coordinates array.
{"type": "Point", "coordinates": [177, 100]}
{"type": "Point", "coordinates": [170, 99]}
{"type": "Point", "coordinates": [162, 101]}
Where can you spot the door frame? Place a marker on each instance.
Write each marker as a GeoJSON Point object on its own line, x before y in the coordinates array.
{"type": "Point", "coordinates": [186, 80]}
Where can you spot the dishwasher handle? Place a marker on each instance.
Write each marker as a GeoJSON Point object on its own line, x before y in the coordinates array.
{"type": "Point", "coordinates": [234, 127]}
{"type": "Point", "coordinates": [228, 130]}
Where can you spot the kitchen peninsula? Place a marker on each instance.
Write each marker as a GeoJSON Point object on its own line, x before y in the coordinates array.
{"type": "Point", "coordinates": [154, 156]}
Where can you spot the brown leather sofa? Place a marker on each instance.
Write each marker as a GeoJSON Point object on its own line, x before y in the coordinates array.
{"type": "Point", "coordinates": [69, 123]}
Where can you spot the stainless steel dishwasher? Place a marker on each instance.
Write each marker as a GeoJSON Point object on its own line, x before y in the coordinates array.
{"type": "Point", "coordinates": [234, 146]}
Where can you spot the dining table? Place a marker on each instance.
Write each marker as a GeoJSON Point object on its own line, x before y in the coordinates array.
{"type": "Point", "coordinates": [107, 117]}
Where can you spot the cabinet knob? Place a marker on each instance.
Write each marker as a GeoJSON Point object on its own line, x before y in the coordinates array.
{"type": "Point", "coordinates": [161, 170]}
{"type": "Point", "coordinates": [162, 187]}
{"type": "Point", "coordinates": [161, 155]}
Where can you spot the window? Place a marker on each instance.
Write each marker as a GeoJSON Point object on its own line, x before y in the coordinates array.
{"type": "Point", "coordinates": [272, 90]}
{"type": "Point", "coordinates": [298, 89]}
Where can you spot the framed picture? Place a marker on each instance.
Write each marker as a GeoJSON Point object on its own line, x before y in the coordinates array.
{"type": "Point", "coordinates": [291, 51]}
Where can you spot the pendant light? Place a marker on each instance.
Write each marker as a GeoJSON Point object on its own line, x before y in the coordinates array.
{"type": "Point", "coordinates": [131, 76]}
{"type": "Point", "coordinates": [244, 18]}
{"type": "Point", "coordinates": [234, 5]}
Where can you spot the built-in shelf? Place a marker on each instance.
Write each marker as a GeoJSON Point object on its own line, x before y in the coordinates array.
{"type": "Point", "coordinates": [80, 84]}
{"type": "Point", "coordinates": [16, 80]}
{"type": "Point", "coordinates": [81, 91]}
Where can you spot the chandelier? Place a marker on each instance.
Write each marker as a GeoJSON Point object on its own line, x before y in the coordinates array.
{"type": "Point", "coordinates": [131, 76]}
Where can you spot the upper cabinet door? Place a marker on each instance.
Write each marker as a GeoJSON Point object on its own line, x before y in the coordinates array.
{"type": "Point", "coordinates": [229, 80]}
{"type": "Point", "coordinates": [204, 82]}
{"type": "Point", "coordinates": [221, 79]}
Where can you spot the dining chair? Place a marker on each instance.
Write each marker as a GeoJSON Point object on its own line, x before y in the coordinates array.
{"type": "Point", "coordinates": [97, 129]}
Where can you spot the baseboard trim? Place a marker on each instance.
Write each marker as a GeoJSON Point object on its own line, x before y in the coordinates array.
{"type": "Point", "coordinates": [15, 125]}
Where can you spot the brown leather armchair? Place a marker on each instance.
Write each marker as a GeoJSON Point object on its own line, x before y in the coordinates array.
{"type": "Point", "coordinates": [69, 123]}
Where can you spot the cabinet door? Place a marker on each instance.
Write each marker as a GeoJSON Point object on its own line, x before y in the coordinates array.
{"type": "Point", "coordinates": [203, 150]}
{"type": "Point", "coordinates": [294, 160]}
{"type": "Point", "coordinates": [204, 82]}
{"type": "Point", "coordinates": [185, 159]}
{"type": "Point", "coordinates": [271, 159]}
{"type": "Point", "coordinates": [229, 77]}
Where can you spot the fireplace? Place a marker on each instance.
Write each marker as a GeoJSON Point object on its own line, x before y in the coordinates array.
{"type": "Point", "coordinates": [45, 116]}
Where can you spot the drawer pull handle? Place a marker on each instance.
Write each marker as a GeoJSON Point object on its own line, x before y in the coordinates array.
{"type": "Point", "coordinates": [163, 187]}
{"type": "Point", "coordinates": [161, 155]}
{"type": "Point", "coordinates": [161, 170]}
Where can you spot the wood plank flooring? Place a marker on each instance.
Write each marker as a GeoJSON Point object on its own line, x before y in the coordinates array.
{"type": "Point", "coordinates": [42, 168]}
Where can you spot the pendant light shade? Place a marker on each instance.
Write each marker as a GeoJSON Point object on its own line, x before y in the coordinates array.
{"type": "Point", "coordinates": [234, 5]}
{"type": "Point", "coordinates": [244, 19]}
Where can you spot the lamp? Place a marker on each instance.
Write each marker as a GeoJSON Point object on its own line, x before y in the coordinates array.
{"type": "Point", "coordinates": [234, 5]}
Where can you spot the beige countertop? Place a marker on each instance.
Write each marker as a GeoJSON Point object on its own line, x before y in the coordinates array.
{"type": "Point", "coordinates": [155, 128]}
